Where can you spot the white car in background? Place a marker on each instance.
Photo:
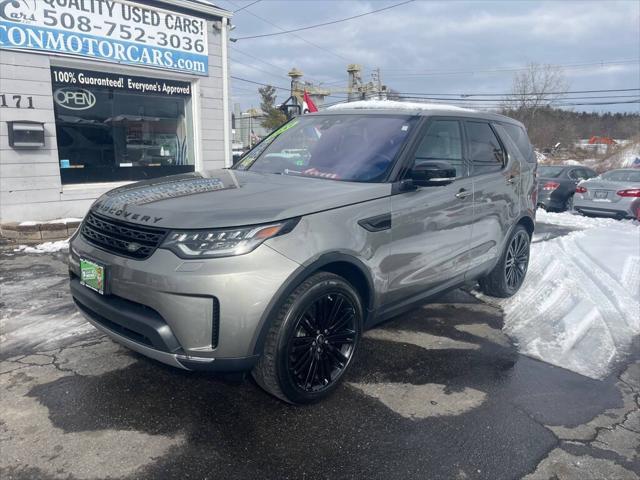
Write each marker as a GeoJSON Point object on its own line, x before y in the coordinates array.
{"type": "Point", "coordinates": [615, 193]}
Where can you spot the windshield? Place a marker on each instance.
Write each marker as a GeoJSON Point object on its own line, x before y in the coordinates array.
{"type": "Point", "coordinates": [360, 148]}
{"type": "Point", "coordinates": [622, 176]}
{"type": "Point", "coordinates": [550, 172]}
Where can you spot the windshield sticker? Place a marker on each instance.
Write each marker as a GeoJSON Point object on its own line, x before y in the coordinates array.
{"type": "Point", "coordinates": [253, 155]}
{"type": "Point", "coordinates": [284, 128]}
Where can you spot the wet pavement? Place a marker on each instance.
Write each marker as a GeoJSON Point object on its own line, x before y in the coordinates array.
{"type": "Point", "coordinates": [439, 392]}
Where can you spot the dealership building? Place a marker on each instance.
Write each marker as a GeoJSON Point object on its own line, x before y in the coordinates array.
{"type": "Point", "coordinates": [98, 93]}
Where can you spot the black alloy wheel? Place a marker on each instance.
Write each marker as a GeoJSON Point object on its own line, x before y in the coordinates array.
{"type": "Point", "coordinates": [517, 260]}
{"type": "Point", "coordinates": [312, 340]}
{"type": "Point", "coordinates": [322, 342]}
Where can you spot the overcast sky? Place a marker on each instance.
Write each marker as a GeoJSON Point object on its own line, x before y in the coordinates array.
{"type": "Point", "coordinates": [439, 47]}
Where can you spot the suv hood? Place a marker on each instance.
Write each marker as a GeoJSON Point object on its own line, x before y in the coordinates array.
{"type": "Point", "coordinates": [229, 198]}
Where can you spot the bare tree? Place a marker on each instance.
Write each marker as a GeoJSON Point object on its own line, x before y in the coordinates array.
{"type": "Point", "coordinates": [536, 87]}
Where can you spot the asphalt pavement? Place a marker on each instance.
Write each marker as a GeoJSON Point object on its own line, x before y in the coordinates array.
{"type": "Point", "coordinates": [438, 393]}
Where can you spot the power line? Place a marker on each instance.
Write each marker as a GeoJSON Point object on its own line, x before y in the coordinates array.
{"type": "Point", "coordinates": [243, 52]}
{"type": "Point", "coordinates": [565, 92]}
{"type": "Point", "coordinates": [500, 70]}
{"type": "Point", "coordinates": [236, 49]}
{"type": "Point", "coordinates": [258, 69]}
{"type": "Point", "coordinates": [324, 24]}
{"type": "Point", "coordinates": [507, 99]}
{"type": "Point", "coordinates": [260, 83]}
{"type": "Point", "coordinates": [292, 34]}
{"type": "Point", "coordinates": [246, 6]}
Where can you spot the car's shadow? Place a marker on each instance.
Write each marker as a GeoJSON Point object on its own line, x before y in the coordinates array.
{"type": "Point", "coordinates": [237, 431]}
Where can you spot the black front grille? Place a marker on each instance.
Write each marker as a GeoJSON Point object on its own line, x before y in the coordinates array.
{"type": "Point", "coordinates": [121, 237]}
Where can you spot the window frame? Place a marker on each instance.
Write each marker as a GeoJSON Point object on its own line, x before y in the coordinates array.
{"type": "Point", "coordinates": [403, 167]}
{"type": "Point", "coordinates": [531, 157]}
{"type": "Point", "coordinates": [396, 166]}
{"type": "Point", "coordinates": [505, 152]}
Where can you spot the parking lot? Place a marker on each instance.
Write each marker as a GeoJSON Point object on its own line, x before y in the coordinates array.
{"type": "Point", "coordinates": [440, 392]}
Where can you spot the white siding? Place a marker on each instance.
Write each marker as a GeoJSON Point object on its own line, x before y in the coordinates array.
{"type": "Point", "coordinates": [30, 187]}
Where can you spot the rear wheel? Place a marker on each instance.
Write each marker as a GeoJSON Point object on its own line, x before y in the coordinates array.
{"type": "Point", "coordinates": [312, 340]}
{"type": "Point", "coordinates": [507, 276]}
{"type": "Point", "coordinates": [568, 204]}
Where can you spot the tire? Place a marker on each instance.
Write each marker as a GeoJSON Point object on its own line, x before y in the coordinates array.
{"type": "Point", "coordinates": [568, 204]}
{"type": "Point", "coordinates": [507, 276]}
{"type": "Point", "coordinates": [312, 340]}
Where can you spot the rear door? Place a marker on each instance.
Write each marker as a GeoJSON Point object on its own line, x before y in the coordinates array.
{"type": "Point", "coordinates": [495, 173]}
{"type": "Point", "coordinates": [431, 226]}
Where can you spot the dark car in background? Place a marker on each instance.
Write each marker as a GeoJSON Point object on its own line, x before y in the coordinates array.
{"type": "Point", "coordinates": [615, 193]}
{"type": "Point", "coordinates": [557, 185]}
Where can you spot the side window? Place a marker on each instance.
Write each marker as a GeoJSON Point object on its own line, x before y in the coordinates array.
{"type": "Point", "coordinates": [485, 152]}
{"type": "Point", "coordinates": [520, 138]}
{"type": "Point", "coordinates": [443, 141]}
{"type": "Point", "coordinates": [579, 174]}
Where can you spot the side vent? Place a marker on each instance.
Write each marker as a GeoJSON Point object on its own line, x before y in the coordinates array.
{"type": "Point", "coordinates": [377, 223]}
{"type": "Point", "coordinates": [215, 323]}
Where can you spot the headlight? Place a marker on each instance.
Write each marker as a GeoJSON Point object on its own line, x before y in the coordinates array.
{"type": "Point", "coordinates": [223, 242]}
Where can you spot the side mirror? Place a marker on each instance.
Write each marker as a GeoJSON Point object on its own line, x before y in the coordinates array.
{"type": "Point", "coordinates": [432, 173]}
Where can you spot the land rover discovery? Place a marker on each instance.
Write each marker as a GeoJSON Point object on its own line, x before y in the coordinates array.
{"type": "Point", "coordinates": [332, 224]}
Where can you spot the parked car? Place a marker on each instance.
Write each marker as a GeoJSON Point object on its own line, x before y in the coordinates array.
{"type": "Point", "coordinates": [615, 193]}
{"type": "Point", "coordinates": [333, 223]}
{"type": "Point", "coordinates": [557, 185]}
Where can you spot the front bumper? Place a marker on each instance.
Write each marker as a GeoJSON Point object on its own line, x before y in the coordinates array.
{"type": "Point", "coordinates": [551, 200]}
{"type": "Point", "coordinates": [191, 314]}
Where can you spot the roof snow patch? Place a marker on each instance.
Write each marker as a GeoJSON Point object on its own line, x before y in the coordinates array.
{"type": "Point", "coordinates": [393, 105]}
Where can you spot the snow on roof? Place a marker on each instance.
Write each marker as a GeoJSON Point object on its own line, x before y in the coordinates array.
{"type": "Point", "coordinates": [394, 105]}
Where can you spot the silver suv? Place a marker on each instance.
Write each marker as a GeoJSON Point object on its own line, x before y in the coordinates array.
{"type": "Point", "coordinates": [334, 223]}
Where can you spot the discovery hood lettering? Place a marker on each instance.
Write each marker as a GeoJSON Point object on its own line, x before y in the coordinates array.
{"type": "Point", "coordinates": [229, 198]}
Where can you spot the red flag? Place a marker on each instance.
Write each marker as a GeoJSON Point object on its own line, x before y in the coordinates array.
{"type": "Point", "coordinates": [307, 104]}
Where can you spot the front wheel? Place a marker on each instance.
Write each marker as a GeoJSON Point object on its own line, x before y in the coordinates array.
{"type": "Point", "coordinates": [312, 340]}
{"type": "Point", "coordinates": [507, 276]}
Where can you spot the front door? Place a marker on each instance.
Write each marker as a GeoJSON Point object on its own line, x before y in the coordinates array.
{"type": "Point", "coordinates": [431, 226]}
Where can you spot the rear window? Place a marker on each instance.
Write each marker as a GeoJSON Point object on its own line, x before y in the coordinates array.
{"type": "Point", "coordinates": [622, 176]}
{"type": "Point", "coordinates": [520, 138]}
{"type": "Point", "coordinates": [550, 172]}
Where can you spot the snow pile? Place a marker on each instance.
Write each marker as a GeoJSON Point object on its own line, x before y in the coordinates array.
{"type": "Point", "coordinates": [47, 247]}
{"type": "Point", "coordinates": [579, 307]}
{"type": "Point", "coordinates": [540, 157]}
{"type": "Point", "coordinates": [393, 105]}
{"type": "Point", "coordinates": [31, 223]}
{"type": "Point", "coordinates": [625, 157]}
{"type": "Point", "coordinates": [571, 162]}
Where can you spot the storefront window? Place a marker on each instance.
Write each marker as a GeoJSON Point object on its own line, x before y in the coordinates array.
{"type": "Point", "coordinates": [117, 127]}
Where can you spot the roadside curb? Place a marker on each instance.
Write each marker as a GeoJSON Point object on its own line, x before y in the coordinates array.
{"type": "Point", "coordinates": [36, 232]}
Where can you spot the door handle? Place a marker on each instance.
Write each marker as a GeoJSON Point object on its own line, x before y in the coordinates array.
{"type": "Point", "coordinates": [462, 194]}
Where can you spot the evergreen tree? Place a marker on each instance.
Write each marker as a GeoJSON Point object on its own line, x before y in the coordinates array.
{"type": "Point", "coordinates": [273, 116]}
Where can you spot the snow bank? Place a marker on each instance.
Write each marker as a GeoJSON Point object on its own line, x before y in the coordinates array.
{"type": "Point", "coordinates": [393, 105]}
{"type": "Point", "coordinates": [30, 223]}
{"type": "Point", "coordinates": [579, 307]}
{"type": "Point", "coordinates": [47, 247]}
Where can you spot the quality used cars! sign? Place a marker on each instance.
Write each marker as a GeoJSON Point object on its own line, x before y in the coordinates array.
{"type": "Point", "coordinates": [113, 30]}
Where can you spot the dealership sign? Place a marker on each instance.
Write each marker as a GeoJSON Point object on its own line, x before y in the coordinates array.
{"type": "Point", "coordinates": [72, 87]}
{"type": "Point", "coordinates": [113, 30]}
